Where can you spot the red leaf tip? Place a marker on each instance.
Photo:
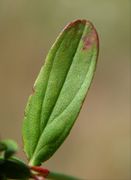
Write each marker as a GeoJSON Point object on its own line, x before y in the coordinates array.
{"type": "Point", "coordinates": [78, 21]}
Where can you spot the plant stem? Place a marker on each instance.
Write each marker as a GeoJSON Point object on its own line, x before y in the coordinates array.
{"type": "Point", "coordinates": [60, 176]}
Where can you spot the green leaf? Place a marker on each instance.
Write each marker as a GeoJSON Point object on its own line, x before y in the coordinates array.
{"type": "Point", "coordinates": [14, 168]}
{"type": "Point", "coordinates": [9, 146]}
{"type": "Point", "coordinates": [60, 90]}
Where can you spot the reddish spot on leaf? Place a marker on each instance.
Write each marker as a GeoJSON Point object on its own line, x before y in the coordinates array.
{"type": "Point", "coordinates": [90, 39]}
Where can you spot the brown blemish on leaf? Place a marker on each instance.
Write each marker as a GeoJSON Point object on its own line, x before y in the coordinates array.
{"type": "Point", "coordinates": [33, 90]}
{"type": "Point", "coordinates": [90, 39]}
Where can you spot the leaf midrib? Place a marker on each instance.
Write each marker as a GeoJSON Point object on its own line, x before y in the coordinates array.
{"type": "Point", "coordinates": [61, 86]}
{"type": "Point", "coordinates": [69, 103]}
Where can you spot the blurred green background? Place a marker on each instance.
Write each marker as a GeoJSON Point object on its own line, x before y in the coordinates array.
{"type": "Point", "coordinates": [99, 146]}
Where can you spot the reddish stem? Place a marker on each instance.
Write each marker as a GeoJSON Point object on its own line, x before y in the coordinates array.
{"type": "Point", "coordinates": [40, 170]}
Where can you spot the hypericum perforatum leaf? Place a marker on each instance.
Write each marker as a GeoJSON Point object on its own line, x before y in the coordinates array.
{"type": "Point", "coordinates": [60, 90]}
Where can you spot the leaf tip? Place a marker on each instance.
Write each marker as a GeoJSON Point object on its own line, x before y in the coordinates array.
{"type": "Point", "coordinates": [75, 22]}
{"type": "Point", "coordinates": [91, 37]}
